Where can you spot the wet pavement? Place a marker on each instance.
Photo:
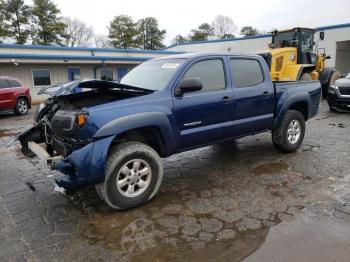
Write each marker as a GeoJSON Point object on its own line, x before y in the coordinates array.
{"type": "Point", "coordinates": [241, 200]}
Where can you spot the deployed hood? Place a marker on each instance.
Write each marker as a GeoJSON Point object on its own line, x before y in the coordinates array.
{"type": "Point", "coordinates": [77, 86]}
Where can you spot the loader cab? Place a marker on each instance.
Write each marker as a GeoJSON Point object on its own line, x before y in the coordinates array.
{"type": "Point", "coordinates": [300, 38]}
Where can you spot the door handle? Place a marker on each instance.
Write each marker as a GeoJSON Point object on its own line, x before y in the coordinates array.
{"type": "Point", "coordinates": [266, 93]}
{"type": "Point", "coordinates": [226, 99]}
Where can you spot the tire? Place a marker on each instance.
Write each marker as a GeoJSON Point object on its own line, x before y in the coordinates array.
{"type": "Point", "coordinates": [305, 77]}
{"type": "Point", "coordinates": [123, 161]}
{"type": "Point", "coordinates": [282, 137]}
{"type": "Point", "coordinates": [22, 107]}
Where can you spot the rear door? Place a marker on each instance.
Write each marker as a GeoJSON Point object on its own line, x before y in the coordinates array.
{"type": "Point", "coordinates": [6, 94]}
{"type": "Point", "coordinates": [205, 116]}
{"type": "Point", "coordinates": [254, 96]}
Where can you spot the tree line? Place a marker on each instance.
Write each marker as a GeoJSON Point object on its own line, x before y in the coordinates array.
{"type": "Point", "coordinates": [222, 27]}
{"type": "Point", "coordinates": [41, 23]}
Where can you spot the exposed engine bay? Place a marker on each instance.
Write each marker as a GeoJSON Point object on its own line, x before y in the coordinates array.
{"type": "Point", "coordinates": [59, 119]}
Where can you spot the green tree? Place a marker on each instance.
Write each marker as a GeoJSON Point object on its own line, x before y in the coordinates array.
{"type": "Point", "coordinates": [150, 37]}
{"type": "Point", "coordinates": [3, 25]}
{"type": "Point", "coordinates": [249, 31]}
{"type": "Point", "coordinates": [179, 39]}
{"type": "Point", "coordinates": [47, 26]}
{"type": "Point", "coordinates": [122, 32]}
{"type": "Point", "coordinates": [203, 32]}
{"type": "Point", "coordinates": [14, 18]}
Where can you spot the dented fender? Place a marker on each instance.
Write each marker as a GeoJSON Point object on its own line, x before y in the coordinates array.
{"type": "Point", "coordinates": [84, 166]}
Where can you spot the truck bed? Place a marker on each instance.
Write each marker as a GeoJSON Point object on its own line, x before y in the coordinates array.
{"type": "Point", "coordinates": [286, 89]}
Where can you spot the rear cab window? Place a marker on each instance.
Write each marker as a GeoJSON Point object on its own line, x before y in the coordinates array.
{"type": "Point", "coordinates": [211, 73]}
{"type": "Point", "coordinates": [4, 83]}
{"type": "Point", "coordinates": [246, 72]}
{"type": "Point", "coordinates": [14, 83]}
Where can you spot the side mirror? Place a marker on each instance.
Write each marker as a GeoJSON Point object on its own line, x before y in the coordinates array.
{"type": "Point", "coordinates": [189, 85]}
{"type": "Point", "coordinates": [322, 35]}
{"type": "Point", "coordinates": [342, 75]}
{"type": "Point", "coordinates": [328, 57]}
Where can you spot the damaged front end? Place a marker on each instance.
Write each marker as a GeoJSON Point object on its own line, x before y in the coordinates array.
{"type": "Point", "coordinates": [54, 139]}
{"type": "Point", "coordinates": [63, 133]}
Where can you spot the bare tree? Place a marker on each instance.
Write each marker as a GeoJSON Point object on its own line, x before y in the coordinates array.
{"type": "Point", "coordinates": [224, 27]}
{"type": "Point", "coordinates": [101, 41]}
{"type": "Point", "coordinates": [77, 33]}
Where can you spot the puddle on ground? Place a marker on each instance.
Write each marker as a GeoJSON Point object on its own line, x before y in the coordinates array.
{"type": "Point", "coordinates": [175, 229]}
{"type": "Point", "coordinates": [306, 238]}
{"type": "Point", "coordinates": [270, 168]}
{"type": "Point", "coordinates": [340, 125]}
{"type": "Point", "coordinates": [143, 239]}
{"type": "Point", "coordinates": [6, 133]}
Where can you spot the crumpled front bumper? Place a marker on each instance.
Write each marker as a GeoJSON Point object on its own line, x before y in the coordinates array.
{"type": "Point", "coordinates": [83, 167]}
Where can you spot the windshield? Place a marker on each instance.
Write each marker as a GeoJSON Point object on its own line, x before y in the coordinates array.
{"type": "Point", "coordinates": [286, 39]}
{"type": "Point", "coordinates": [303, 39]}
{"type": "Point", "coordinates": [153, 74]}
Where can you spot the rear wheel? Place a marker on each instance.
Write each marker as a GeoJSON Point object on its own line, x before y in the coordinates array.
{"type": "Point", "coordinates": [305, 77]}
{"type": "Point", "coordinates": [22, 106]}
{"type": "Point", "coordinates": [133, 176]}
{"type": "Point", "coordinates": [290, 134]}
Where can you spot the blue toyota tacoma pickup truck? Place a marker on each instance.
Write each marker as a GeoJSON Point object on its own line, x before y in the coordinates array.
{"type": "Point", "coordinates": [113, 135]}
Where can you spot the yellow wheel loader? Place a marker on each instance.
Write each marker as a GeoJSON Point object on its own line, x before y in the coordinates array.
{"type": "Point", "coordinates": [291, 57]}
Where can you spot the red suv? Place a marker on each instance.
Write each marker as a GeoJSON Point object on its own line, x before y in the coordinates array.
{"type": "Point", "coordinates": [14, 95]}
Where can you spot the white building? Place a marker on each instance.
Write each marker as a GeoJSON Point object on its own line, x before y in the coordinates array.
{"type": "Point", "coordinates": [336, 44]}
{"type": "Point", "coordinates": [38, 66]}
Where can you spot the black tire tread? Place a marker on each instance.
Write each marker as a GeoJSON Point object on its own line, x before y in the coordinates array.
{"type": "Point", "coordinates": [278, 138]}
{"type": "Point", "coordinates": [116, 154]}
{"type": "Point", "coordinates": [16, 110]}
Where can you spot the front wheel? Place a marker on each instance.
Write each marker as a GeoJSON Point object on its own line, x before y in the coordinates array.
{"type": "Point", "coordinates": [22, 106]}
{"type": "Point", "coordinates": [133, 176]}
{"type": "Point", "coordinates": [290, 134]}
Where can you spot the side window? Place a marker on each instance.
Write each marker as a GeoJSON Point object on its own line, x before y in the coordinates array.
{"type": "Point", "coordinates": [246, 72]}
{"type": "Point", "coordinates": [211, 72]}
{"type": "Point", "coordinates": [106, 74]}
{"type": "Point", "coordinates": [41, 77]}
{"type": "Point", "coordinates": [4, 83]}
{"type": "Point", "coordinates": [14, 83]}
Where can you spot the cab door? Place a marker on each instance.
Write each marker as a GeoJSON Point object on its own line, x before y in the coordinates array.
{"type": "Point", "coordinates": [254, 96]}
{"type": "Point", "coordinates": [204, 116]}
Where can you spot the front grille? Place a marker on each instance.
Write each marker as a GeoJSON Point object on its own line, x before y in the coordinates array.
{"type": "Point", "coordinates": [344, 91]}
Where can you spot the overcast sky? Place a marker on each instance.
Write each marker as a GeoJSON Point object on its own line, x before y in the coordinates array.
{"type": "Point", "coordinates": [180, 16]}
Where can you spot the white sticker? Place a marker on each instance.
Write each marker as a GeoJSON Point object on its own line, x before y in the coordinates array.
{"type": "Point", "coordinates": [170, 65]}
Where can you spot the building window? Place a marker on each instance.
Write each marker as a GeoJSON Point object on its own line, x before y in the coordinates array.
{"type": "Point", "coordinates": [106, 74]}
{"type": "Point", "coordinates": [41, 77]}
{"type": "Point", "coordinates": [73, 73]}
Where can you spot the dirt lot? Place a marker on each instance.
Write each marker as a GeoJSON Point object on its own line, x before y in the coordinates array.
{"type": "Point", "coordinates": [229, 202]}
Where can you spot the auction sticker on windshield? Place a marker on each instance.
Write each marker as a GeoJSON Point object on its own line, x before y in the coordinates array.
{"type": "Point", "coordinates": [170, 65]}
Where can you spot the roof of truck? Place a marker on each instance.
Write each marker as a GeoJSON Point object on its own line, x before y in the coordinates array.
{"type": "Point", "coordinates": [195, 55]}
